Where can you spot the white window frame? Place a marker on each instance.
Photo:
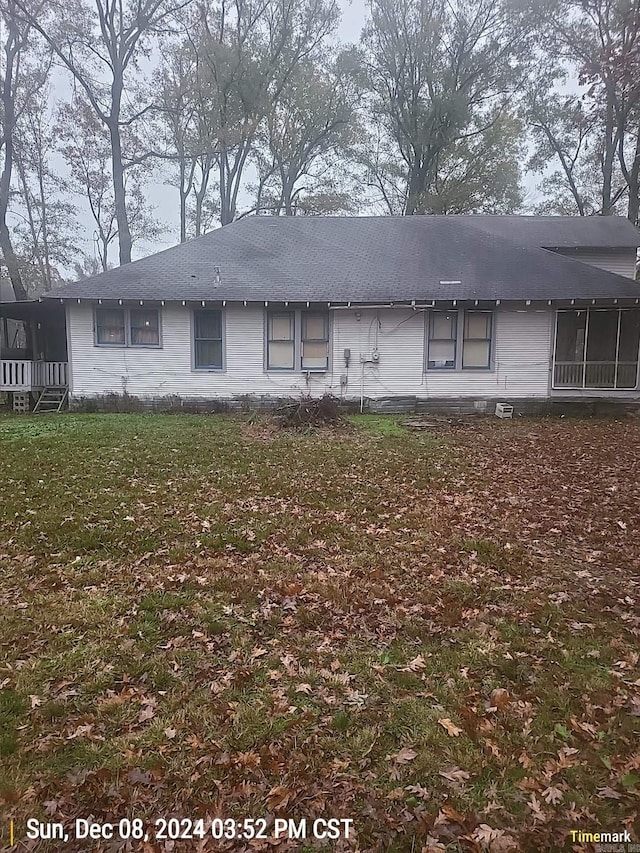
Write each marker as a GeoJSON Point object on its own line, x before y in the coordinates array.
{"type": "Point", "coordinates": [126, 313]}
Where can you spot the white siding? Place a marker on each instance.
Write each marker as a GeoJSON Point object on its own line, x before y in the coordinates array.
{"type": "Point", "coordinates": [619, 261]}
{"type": "Point", "coordinates": [520, 369]}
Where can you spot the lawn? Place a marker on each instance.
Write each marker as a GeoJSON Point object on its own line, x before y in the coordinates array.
{"type": "Point", "coordinates": [434, 635]}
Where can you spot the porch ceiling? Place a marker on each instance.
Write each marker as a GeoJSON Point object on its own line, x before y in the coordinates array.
{"type": "Point", "coordinates": [34, 310]}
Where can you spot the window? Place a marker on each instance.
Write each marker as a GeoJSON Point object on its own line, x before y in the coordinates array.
{"type": "Point", "coordinates": [127, 327]}
{"type": "Point", "coordinates": [476, 345]}
{"type": "Point", "coordinates": [281, 341]}
{"type": "Point", "coordinates": [297, 340]}
{"type": "Point", "coordinates": [315, 341]}
{"type": "Point", "coordinates": [459, 340]}
{"type": "Point", "coordinates": [597, 348]}
{"type": "Point", "coordinates": [207, 335]}
{"type": "Point", "coordinates": [110, 326]}
{"type": "Point", "coordinates": [442, 340]}
{"type": "Point", "coordinates": [145, 330]}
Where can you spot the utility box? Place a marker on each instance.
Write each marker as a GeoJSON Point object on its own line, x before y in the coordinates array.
{"type": "Point", "coordinates": [504, 410]}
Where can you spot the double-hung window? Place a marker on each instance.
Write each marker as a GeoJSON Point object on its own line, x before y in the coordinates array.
{"type": "Point", "coordinates": [207, 337]}
{"type": "Point", "coordinates": [459, 340]}
{"type": "Point", "coordinates": [127, 327]}
{"type": "Point", "coordinates": [476, 344]}
{"type": "Point", "coordinates": [281, 341]}
{"type": "Point", "coordinates": [443, 327]}
{"type": "Point", "coordinates": [297, 340]}
{"type": "Point", "coordinates": [314, 348]}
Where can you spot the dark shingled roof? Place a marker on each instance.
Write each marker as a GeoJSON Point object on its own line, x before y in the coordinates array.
{"type": "Point", "coordinates": [376, 259]}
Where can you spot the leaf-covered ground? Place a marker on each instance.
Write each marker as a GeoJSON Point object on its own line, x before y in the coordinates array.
{"type": "Point", "coordinates": [435, 635]}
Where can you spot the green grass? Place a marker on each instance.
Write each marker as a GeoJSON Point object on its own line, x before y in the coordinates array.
{"type": "Point", "coordinates": [380, 425]}
{"type": "Point", "coordinates": [194, 616]}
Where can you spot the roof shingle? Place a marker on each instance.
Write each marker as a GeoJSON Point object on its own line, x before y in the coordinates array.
{"type": "Point", "coordinates": [375, 259]}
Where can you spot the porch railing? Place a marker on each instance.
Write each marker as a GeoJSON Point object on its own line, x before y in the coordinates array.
{"type": "Point", "coordinates": [18, 375]}
{"type": "Point", "coordinates": [595, 374]}
{"type": "Point", "coordinates": [50, 374]}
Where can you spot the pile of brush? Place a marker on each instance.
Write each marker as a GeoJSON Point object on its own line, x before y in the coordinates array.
{"type": "Point", "coordinates": [310, 412]}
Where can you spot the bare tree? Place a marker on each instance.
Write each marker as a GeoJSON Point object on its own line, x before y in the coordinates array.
{"type": "Point", "coordinates": [440, 71]}
{"type": "Point", "coordinates": [18, 80]}
{"type": "Point", "coordinates": [250, 51]}
{"type": "Point", "coordinates": [85, 146]}
{"type": "Point", "coordinates": [100, 50]}
{"type": "Point", "coordinates": [601, 40]}
{"type": "Point", "coordinates": [307, 132]}
{"type": "Point", "coordinates": [45, 229]}
{"type": "Point", "coordinates": [179, 117]}
{"type": "Point", "coordinates": [188, 118]}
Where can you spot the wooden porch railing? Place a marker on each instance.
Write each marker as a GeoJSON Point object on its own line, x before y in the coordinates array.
{"type": "Point", "coordinates": [595, 374]}
{"type": "Point", "coordinates": [18, 375]}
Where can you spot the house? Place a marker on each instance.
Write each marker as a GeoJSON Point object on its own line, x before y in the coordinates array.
{"type": "Point", "coordinates": [401, 312]}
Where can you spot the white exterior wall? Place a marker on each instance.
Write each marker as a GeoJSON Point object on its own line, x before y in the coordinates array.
{"type": "Point", "coordinates": [619, 261]}
{"type": "Point", "coordinates": [521, 363]}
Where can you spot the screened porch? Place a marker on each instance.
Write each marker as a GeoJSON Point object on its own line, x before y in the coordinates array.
{"type": "Point", "coordinates": [33, 346]}
{"type": "Point", "coordinates": [597, 348]}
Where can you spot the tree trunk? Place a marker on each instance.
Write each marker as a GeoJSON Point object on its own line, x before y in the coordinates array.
{"type": "Point", "coordinates": [183, 204]}
{"type": "Point", "coordinates": [45, 227]}
{"type": "Point", "coordinates": [33, 228]}
{"type": "Point", "coordinates": [226, 217]}
{"type": "Point", "coordinates": [8, 106]}
{"type": "Point", "coordinates": [417, 184]}
{"type": "Point", "coordinates": [120, 198]}
{"type": "Point", "coordinates": [633, 210]}
{"type": "Point", "coordinates": [11, 262]}
{"type": "Point", "coordinates": [201, 193]}
{"type": "Point", "coordinates": [286, 198]}
{"type": "Point", "coordinates": [608, 156]}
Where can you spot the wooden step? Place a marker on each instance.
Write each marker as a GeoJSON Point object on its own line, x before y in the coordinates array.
{"type": "Point", "coordinates": [51, 399]}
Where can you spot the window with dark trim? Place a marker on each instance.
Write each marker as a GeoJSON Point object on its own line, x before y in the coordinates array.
{"type": "Point", "coordinates": [207, 336]}
{"type": "Point", "coordinates": [110, 326]}
{"type": "Point", "coordinates": [476, 343]}
{"type": "Point", "coordinates": [314, 349]}
{"type": "Point", "coordinates": [460, 340]}
{"type": "Point", "coordinates": [441, 345]}
{"type": "Point", "coordinates": [127, 327]}
{"type": "Point", "coordinates": [281, 341]}
{"type": "Point", "coordinates": [145, 327]}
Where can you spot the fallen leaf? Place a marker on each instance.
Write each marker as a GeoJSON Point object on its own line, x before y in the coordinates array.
{"type": "Point", "coordinates": [500, 698]}
{"type": "Point", "coordinates": [415, 665]}
{"type": "Point", "coordinates": [553, 795]}
{"type": "Point", "coordinates": [404, 756]}
{"type": "Point", "coordinates": [608, 793]}
{"type": "Point", "coordinates": [279, 797]}
{"type": "Point", "coordinates": [455, 775]}
{"type": "Point", "coordinates": [450, 727]}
